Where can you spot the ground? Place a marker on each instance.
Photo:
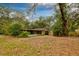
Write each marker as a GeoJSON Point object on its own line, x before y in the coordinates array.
{"type": "Point", "coordinates": [39, 45]}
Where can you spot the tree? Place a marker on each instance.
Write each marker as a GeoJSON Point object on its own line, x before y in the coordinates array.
{"type": "Point", "coordinates": [40, 23]}
{"type": "Point", "coordinates": [64, 21]}
{"type": "Point", "coordinates": [73, 22]}
{"type": "Point", "coordinates": [15, 29]}
{"type": "Point", "coordinates": [4, 18]}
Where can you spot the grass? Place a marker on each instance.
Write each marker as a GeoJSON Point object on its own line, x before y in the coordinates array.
{"type": "Point", "coordinates": [39, 46]}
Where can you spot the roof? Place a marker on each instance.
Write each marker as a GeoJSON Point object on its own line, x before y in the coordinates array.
{"type": "Point", "coordinates": [36, 29]}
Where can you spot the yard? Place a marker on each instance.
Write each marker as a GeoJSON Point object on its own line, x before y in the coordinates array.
{"type": "Point", "coordinates": [39, 45]}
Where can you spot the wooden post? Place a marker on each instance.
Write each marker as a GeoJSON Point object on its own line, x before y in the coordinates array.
{"type": "Point", "coordinates": [43, 32]}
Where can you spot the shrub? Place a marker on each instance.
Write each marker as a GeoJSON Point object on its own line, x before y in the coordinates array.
{"type": "Point", "coordinates": [72, 34]}
{"type": "Point", "coordinates": [15, 29]}
{"type": "Point", "coordinates": [24, 34]}
{"type": "Point", "coordinates": [58, 29]}
{"type": "Point", "coordinates": [77, 32]}
{"type": "Point", "coordinates": [1, 31]}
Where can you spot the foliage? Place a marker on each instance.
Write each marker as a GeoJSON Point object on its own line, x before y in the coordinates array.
{"type": "Point", "coordinates": [24, 34]}
{"type": "Point", "coordinates": [73, 22]}
{"type": "Point", "coordinates": [1, 31]}
{"type": "Point", "coordinates": [4, 24]}
{"type": "Point", "coordinates": [38, 23]}
{"type": "Point", "coordinates": [57, 28]}
{"type": "Point", "coordinates": [74, 33]}
{"type": "Point", "coordinates": [77, 32]}
{"type": "Point", "coordinates": [42, 22]}
{"type": "Point", "coordinates": [66, 21]}
{"type": "Point", "coordinates": [15, 29]}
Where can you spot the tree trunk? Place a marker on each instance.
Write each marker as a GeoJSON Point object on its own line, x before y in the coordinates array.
{"type": "Point", "coordinates": [62, 6]}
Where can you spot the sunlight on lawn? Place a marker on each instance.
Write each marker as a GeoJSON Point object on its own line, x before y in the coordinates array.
{"type": "Point", "coordinates": [40, 45]}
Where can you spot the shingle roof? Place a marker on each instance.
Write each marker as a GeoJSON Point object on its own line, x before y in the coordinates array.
{"type": "Point", "coordinates": [37, 29]}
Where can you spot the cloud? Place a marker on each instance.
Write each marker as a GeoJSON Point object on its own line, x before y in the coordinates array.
{"type": "Point", "coordinates": [12, 14]}
{"type": "Point", "coordinates": [27, 17]}
{"type": "Point", "coordinates": [46, 5]}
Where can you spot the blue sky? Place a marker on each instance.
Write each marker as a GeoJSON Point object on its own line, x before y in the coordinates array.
{"type": "Point", "coordinates": [41, 10]}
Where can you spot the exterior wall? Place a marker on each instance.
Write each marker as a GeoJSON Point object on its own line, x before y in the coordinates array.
{"type": "Point", "coordinates": [43, 33]}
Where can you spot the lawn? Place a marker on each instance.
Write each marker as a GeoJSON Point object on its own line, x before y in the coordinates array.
{"type": "Point", "coordinates": [39, 45]}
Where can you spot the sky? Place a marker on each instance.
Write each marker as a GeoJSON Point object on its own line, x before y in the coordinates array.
{"type": "Point", "coordinates": [41, 10]}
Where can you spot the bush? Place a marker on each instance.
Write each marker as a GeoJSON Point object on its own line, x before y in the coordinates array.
{"type": "Point", "coordinates": [15, 29]}
{"type": "Point", "coordinates": [58, 29]}
{"type": "Point", "coordinates": [72, 34]}
{"type": "Point", "coordinates": [1, 31]}
{"type": "Point", "coordinates": [24, 34]}
{"type": "Point", "coordinates": [75, 33]}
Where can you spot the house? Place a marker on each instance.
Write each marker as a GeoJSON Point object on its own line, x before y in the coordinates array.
{"type": "Point", "coordinates": [40, 31]}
